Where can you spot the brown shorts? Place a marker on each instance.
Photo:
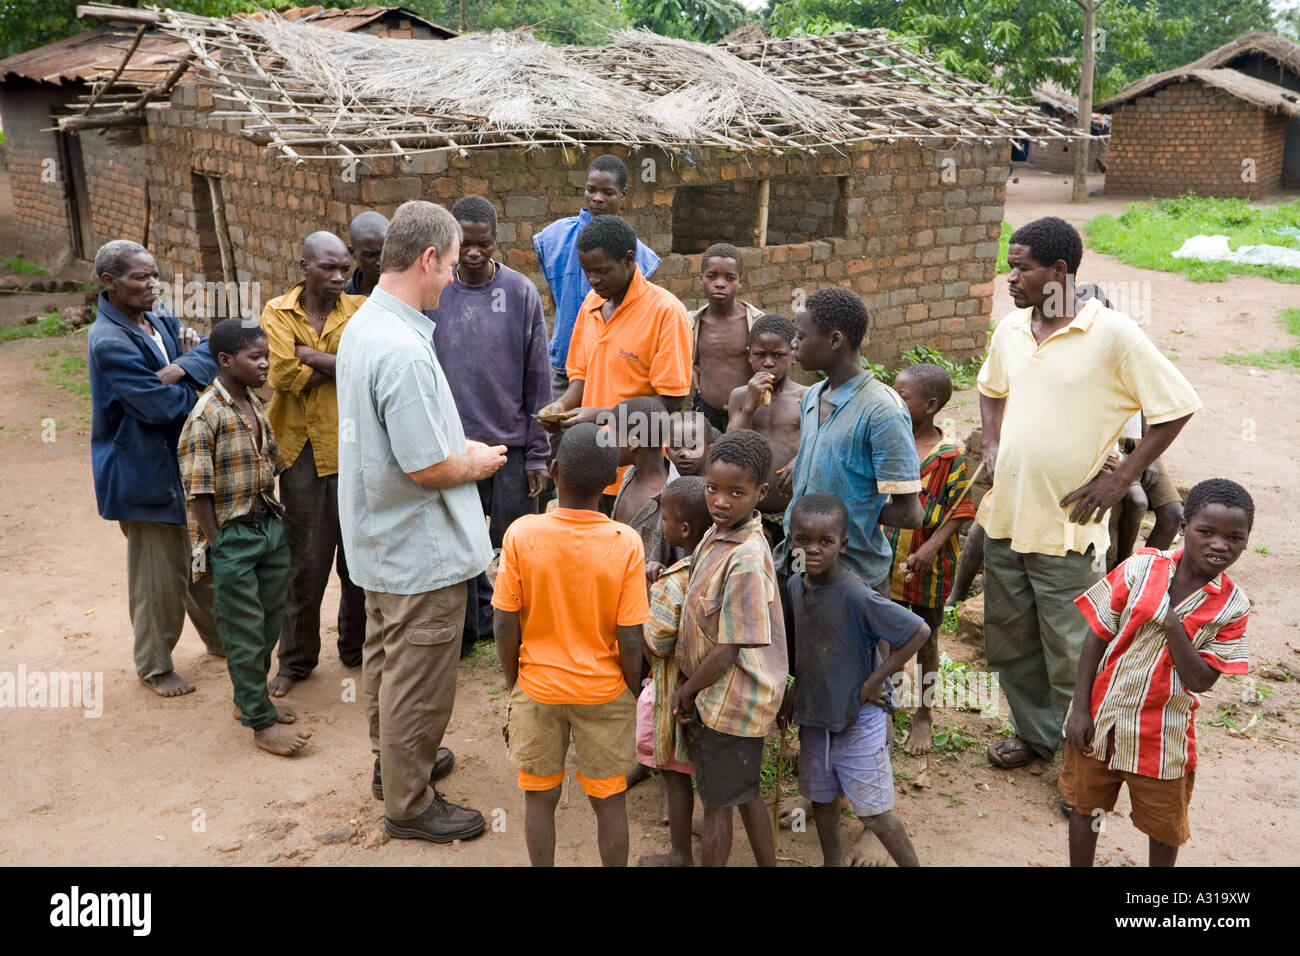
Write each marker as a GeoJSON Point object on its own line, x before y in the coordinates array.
{"type": "Point", "coordinates": [1164, 490]}
{"type": "Point", "coordinates": [1159, 806]}
{"type": "Point", "coordinates": [537, 740]}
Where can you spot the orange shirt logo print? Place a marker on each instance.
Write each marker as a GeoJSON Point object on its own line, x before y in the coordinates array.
{"type": "Point", "coordinates": [630, 356]}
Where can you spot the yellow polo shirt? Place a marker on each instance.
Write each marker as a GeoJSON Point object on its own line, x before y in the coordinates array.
{"type": "Point", "coordinates": [1066, 402]}
{"type": "Point", "coordinates": [297, 417]}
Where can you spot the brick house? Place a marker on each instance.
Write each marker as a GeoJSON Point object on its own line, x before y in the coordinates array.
{"type": "Point", "coordinates": [907, 213]}
{"type": "Point", "coordinates": [1057, 155]}
{"type": "Point", "coordinates": [1227, 124]}
{"type": "Point", "coordinates": [71, 192]}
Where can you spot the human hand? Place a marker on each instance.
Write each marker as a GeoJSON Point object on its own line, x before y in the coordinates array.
{"type": "Point", "coordinates": [1150, 475]}
{"type": "Point", "coordinates": [1079, 729]}
{"type": "Point", "coordinates": [920, 559]}
{"type": "Point", "coordinates": [758, 391]}
{"type": "Point", "coordinates": [187, 338]}
{"type": "Point", "coordinates": [537, 480]}
{"type": "Point", "coordinates": [484, 460]}
{"type": "Point", "coordinates": [874, 691]}
{"type": "Point", "coordinates": [171, 374]}
{"type": "Point", "coordinates": [653, 571]}
{"type": "Point", "coordinates": [581, 416]}
{"type": "Point", "coordinates": [785, 716]}
{"type": "Point", "coordinates": [551, 416]}
{"type": "Point", "coordinates": [785, 478]}
{"type": "Point", "coordinates": [1098, 496]}
{"type": "Point", "coordinates": [990, 459]}
{"type": "Point", "coordinates": [683, 704]}
{"type": "Point", "coordinates": [1111, 463]}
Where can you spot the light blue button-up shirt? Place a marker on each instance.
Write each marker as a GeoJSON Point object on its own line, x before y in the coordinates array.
{"type": "Point", "coordinates": [397, 416]}
{"type": "Point", "coordinates": [863, 453]}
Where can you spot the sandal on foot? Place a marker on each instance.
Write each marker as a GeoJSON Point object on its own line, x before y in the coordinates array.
{"type": "Point", "coordinates": [1010, 753]}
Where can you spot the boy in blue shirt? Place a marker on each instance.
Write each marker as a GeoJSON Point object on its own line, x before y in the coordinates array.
{"type": "Point", "coordinates": [840, 688]}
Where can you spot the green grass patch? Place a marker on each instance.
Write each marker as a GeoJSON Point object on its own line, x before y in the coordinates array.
{"type": "Point", "coordinates": [20, 266]}
{"type": "Point", "coordinates": [50, 326]}
{"type": "Point", "coordinates": [1146, 234]}
{"type": "Point", "coordinates": [963, 375]}
{"type": "Point", "coordinates": [1003, 242]}
{"type": "Point", "coordinates": [1287, 358]}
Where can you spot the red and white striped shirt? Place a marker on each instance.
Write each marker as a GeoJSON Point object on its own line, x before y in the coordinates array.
{"type": "Point", "coordinates": [1137, 692]}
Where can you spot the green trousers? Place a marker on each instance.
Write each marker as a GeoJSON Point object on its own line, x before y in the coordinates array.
{"type": "Point", "coordinates": [250, 581]}
{"type": "Point", "coordinates": [1033, 634]}
{"type": "Point", "coordinates": [160, 590]}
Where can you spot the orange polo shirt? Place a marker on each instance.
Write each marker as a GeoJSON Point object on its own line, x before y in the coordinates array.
{"type": "Point", "coordinates": [644, 348]}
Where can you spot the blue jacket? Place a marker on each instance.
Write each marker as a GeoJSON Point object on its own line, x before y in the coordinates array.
{"type": "Point", "coordinates": [136, 420]}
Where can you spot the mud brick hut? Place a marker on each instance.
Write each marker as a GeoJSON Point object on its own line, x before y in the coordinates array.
{"type": "Point", "coordinates": [1227, 124]}
{"type": "Point", "coordinates": [1057, 155]}
{"type": "Point", "coordinates": [848, 159]}
{"type": "Point", "coordinates": [72, 192]}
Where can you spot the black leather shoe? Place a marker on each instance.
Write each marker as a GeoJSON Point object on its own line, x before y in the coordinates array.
{"type": "Point", "coordinates": [441, 823]}
{"type": "Point", "coordinates": [441, 767]}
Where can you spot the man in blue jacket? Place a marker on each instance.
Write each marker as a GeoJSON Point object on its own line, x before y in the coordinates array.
{"type": "Point", "coordinates": [146, 372]}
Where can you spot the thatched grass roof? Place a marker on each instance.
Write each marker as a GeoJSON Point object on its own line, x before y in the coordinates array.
{"type": "Point", "coordinates": [320, 94]}
{"type": "Point", "coordinates": [1213, 69]}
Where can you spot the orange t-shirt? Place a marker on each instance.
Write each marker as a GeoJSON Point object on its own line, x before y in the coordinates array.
{"type": "Point", "coordinates": [575, 577]}
{"type": "Point", "coordinates": [644, 348]}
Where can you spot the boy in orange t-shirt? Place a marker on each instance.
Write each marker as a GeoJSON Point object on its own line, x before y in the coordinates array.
{"type": "Point", "coordinates": [570, 601]}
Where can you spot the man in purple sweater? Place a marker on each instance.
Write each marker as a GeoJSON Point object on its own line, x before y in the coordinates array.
{"type": "Point", "coordinates": [490, 337]}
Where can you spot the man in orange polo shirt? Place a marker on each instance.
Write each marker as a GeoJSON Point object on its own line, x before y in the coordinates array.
{"type": "Point", "coordinates": [631, 338]}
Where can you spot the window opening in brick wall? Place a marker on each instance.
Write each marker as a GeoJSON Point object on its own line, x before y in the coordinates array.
{"type": "Point", "coordinates": [798, 210]}
{"type": "Point", "coordinates": [216, 255]}
{"type": "Point", "coordinates": [77, 195]}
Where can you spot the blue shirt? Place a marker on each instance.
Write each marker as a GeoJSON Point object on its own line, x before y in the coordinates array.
{"type": "Point", "coordinates": [397, 416]}
{"type": "Point", "coordinates": [863, 453]}
{"type": "Point", "coordinates": [557, 251]}
{"type": "Point", "coordinates": [492, 340]}
{"type": "Point", "coordinates": [837, 629]}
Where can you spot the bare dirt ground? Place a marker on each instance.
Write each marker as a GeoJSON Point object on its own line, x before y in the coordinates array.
{"type": "Point", "coordinates": [179, 782]}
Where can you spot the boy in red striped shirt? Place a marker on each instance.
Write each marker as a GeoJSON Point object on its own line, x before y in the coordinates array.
{"type": "Point", "coordinates": [1164, 626]}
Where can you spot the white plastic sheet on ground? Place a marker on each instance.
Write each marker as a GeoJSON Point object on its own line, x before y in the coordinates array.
{"type": "Point", "coordinates": [1215, 249]}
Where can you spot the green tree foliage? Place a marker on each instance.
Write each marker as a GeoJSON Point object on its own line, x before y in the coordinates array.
{"type": "Point", "coordinates": [704, 20]}
{"type": "Point", "coordinates": [582, 22]}
{"type": "Point", "coordinates": [1207, 24]}
{"type": "Point", "coordinates": [25, 24]}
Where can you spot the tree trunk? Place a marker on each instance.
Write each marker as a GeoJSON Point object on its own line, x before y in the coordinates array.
{"type": "Point", "coordinates": [1086, 70]}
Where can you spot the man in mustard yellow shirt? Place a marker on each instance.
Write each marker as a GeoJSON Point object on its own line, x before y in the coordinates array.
{"type": "Point", "coordinates": [1061, 378]}
{"type": "Point", "coordinates": [303, 328]}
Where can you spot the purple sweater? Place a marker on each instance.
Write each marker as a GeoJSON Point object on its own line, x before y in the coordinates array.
{"type": "Point", "coordinates": [492, 344]}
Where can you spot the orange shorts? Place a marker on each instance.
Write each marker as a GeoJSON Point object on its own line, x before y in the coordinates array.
{"type": "Point", "coordinates": [1159, 806]}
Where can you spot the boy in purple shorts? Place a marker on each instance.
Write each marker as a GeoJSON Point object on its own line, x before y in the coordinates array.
{"type": "Point", "coordinates": [839, 692]}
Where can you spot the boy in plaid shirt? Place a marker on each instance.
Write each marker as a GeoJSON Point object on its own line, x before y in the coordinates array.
{"type": "Point", "coordinates": [228, 463]}
{"type": "Point", "coordinates": [1164, 626]}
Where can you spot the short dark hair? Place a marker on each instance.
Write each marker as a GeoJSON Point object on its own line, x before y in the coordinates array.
{"type": "Point", "coordinates": [1049, 239]}
{"type": "Point", "coordinates": [723, 250]}
{"type": "Point", "coordinates": [771, 324]}
{"type": "Point", "coordinates": [821, 504]}
{"type": "Point", "coordinates": [610, 164]}
{"type": "Point", "coordinates": [839, 309]}
{"type": "Point", "coordinates": [232, 336]}
{"type": "Point", "coordinates": [611, 233]}
{"type": "Point", "coordinates": [745, 449]}
{"type": "Point", "coordinates": [586, 464]}
{"type": "Point", "coordinates": [1090, 290]}
{"type": "Point", "coordinates": [1220, 491]}
{"type": "Point", "coordinates": [476, 209]}
{"type": "Point", "coordinates": [710, 433]}
{"type": "Point", "coordinates": [642, 405]}
{"type": "Point", "coordinates": [687, 496]}
{"type": "Point", "coordinates": [933, 380]}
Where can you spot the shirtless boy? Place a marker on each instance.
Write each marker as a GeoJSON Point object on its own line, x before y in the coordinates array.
{"type": "Point", "coordinates": [720, 332]}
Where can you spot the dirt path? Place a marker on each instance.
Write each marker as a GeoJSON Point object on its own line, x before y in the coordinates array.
{"type": "Point", "coordinates": [178, 782]}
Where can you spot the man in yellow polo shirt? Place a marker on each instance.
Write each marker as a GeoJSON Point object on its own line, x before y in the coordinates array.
{"type": "Point", "coordinates": [303, 328]}
{"type": "Point", "coordinates": [631, 338]}
{"type": "Point", "coordinates": [1061, 378]}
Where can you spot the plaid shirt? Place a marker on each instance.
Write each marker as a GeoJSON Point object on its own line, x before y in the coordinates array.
{"type": "Point", "coordinates": [666, 598]}
{"type": "Point", "coordinates": [218, 457]}
{"type": "Point", "coordinates": [732, 599]}
{"type": "Point", "coordinates": [1137, 692]}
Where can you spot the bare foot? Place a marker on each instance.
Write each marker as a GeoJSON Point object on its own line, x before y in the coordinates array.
{"type": "Point", "coordinates": [283, 715]}
{"type": "Point", "coordinates": [919, 739]}
{"type": "Point", "coordinates": [788, 815]}
{"type": "Point", "coordinates": [279, 739]}
{"type": "Point", "coordinates": [170, 684]}
{"type": "Point", "coordinates": [664, 859]}
{"type": "Point", "coordinates": [279, 685]}
{"type": "Point", "coordinates": [868, 851]}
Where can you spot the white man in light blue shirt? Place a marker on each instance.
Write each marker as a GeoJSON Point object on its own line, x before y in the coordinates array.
{"type": "Point", "coordinates": [412, 521]}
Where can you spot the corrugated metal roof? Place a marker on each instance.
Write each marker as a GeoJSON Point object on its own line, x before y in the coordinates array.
{"type": "Point", "coordinates": [96, 54]}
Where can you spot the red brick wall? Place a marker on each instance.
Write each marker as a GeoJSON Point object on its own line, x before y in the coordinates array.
{"type": "Point", "coordinates": [1058, 155]}
{"type": "Point", "coordinates": [920, 249]}
{"type": "Point", "coordinates": [115, 178]}
{"type": "Point", "coordinates": [40, 205]}
{"type": "Point", "coordinates": [1188, 136]}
